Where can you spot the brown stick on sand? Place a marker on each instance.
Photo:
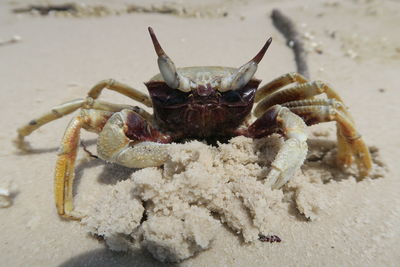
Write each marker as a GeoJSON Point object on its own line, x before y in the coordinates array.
{"type": "Point", "coordinates": [286, 26]}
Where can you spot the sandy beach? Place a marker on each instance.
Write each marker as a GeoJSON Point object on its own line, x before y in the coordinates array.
{"type": "Point", "coordinates": [46, 60]}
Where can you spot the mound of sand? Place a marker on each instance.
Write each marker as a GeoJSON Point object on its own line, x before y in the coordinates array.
{"type": "Point", "coordinates": [175, 211]}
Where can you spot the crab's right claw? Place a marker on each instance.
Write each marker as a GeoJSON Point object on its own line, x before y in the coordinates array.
{"type": "Point", "coordinates": [293, 151]}
{"type": "Point", "coordinates": [245, 73]}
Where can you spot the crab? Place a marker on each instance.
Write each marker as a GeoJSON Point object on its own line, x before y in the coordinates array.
{"type": "Point", "coordinates": [200, 103]}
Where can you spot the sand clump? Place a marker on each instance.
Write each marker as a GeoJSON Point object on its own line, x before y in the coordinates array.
{"type": "Point", "coordinates": [175, 211]}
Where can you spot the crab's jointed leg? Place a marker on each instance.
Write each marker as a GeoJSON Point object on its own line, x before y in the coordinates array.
{"type": "Point", "coordinates": [345, 153]}
{"type": "Point", "coordinates": [65, 166]}
{"type": "Point", "coordinates": [125, 138]}
{"type": "Point", "coordinates": [55, 113]}
{"type": "Point", "coordinates": [65, 109]}
{"type": "Point", "coordinates": [301, 100]}
{"type": "Point", "coordinates": [294, 150]}
{"type": "Point", "coordinates": [350, 142]}
{"type": "Point", "coordinates": [278, 83]}
{"type": "Point", "coordinates": [121, 88]}
{"type": "Point", "coordinates": [301, 91]}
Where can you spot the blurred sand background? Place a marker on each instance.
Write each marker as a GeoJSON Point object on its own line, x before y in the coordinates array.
{"type": "Point", "coordinates": [354, 45]}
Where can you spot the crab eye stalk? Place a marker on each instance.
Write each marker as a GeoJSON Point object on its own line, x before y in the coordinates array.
{"type": "Point", "coordinates": [244, 74]}
{"type": "Point", "coordinates": [167, 67]}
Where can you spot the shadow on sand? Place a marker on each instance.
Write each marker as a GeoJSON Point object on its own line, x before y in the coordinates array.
{"type": "Point", "coordinates": [105, 257]}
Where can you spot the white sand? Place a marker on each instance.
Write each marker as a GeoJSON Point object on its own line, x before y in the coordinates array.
{"type": "Point", "coordinates": [202, 187]}
{"type": "Point", "coordinates": [58, 59]}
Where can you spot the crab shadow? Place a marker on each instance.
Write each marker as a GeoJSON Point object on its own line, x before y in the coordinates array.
{"type": "Point", "coordinates": [105, 257]}
{"type": "Point", "coordinates": [111, 173]}
{"type": "Point", "coordinates": [48, 150]}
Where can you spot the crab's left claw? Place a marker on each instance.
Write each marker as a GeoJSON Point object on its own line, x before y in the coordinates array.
{"type": "Point", "coordinates": [167, 67]}
{"type": "Point", "coordinates": [244, 74]}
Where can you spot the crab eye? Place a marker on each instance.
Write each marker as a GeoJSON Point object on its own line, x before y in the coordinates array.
{"type": "Point", "coordinates": [231, 96]}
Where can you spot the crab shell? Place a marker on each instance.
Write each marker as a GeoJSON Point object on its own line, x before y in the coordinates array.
{"type": "Point", "coordinates": [204, 111]}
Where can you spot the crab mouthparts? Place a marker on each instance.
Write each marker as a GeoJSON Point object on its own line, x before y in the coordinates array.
{"type": "Point", "coordinates": [204, 90]}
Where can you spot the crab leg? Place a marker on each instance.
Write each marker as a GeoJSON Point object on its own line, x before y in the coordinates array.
{"type": "Point", "coordinates": [124, 137]}
{"type": "Point", "coordinates": [298, 97]}
{"type": "Point", "coordinates": [65, 166]}
{"type": "Point", "coordinates": [346, 147]}
{"type": "Point", "coordinates": [55, 113]}
{"type": "Point", "coordinates": [344, 155]}
{"type": "Point", "coordinates": [301, 91]}
{"type": "Point", "coordinates": [278, 83]}
{"type": "Point", "coordinates": [315, 102]}
{"type": "Point", "coordinates": [293, 152]}
{"type": "Point", "coordinates": [350, 142]}
{"type": "Point", "coordinates": [65, 109]}
{"type": "Point", "coordinates": [121, 88]}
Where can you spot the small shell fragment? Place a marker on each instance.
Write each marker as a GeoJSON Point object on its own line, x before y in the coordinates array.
{"type": "Point", "coordinates": [14, 39]}
{"type": "Point", "coordinates": [8, 191]}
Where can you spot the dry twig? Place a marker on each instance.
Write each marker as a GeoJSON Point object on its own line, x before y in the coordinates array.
{"type": "Point", "coordinates": [286, 26]}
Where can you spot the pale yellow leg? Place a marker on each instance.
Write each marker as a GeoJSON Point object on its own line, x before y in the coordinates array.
{"type": "Point", "coordinates": [344, 154]}
{"type": "Point", "coordinates": [121, 88]}
{"type": "Point", "coordinates": [64, 173]}
{"type": "Point", "coordinates": [65, 109]}
{"type": "Point", "coordinates": [278, 83]}
{"type": "Point", "coordinates": [113, 145]}
{"type": "Point", "coordinates": [350, 142]}
{"type": "Point", "coordinates": [55, 113]}
{"type": "Point", "coordinates": [317, 102]}
{"type": "Point", "coordinates": [299, 92]}
{"type": "Point", "coordinates": [90, 102]}
{"type": "Point", "coordinates": [301, 98]}
{"type": "Point", "coordinates": [106, 106]}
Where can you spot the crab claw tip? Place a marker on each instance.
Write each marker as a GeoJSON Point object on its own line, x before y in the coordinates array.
{"type": "Point", "coordinates": [157, 46]}
{"type": "Point", "coordinates": [261, 54]}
